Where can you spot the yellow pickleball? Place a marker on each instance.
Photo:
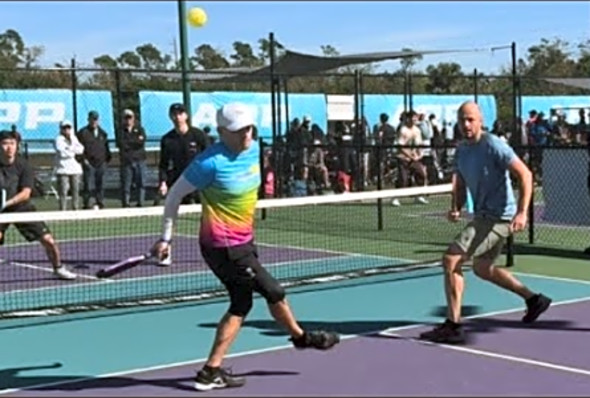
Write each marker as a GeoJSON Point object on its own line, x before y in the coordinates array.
{"type": "Point", "coordinates": [197, 17]}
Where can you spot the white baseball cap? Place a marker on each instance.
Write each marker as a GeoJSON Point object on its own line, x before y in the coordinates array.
{"type": "Point", "coordinates": [235, 116]}
{"type": "Point", "coordinates": [65, 122]}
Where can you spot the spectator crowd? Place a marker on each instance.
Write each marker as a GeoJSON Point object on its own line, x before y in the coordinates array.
{"type": "Point", "coordinates": [415, 150]}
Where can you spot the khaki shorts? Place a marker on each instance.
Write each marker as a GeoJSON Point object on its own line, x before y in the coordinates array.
{"type": "Point", "coordinates": [483, 238]}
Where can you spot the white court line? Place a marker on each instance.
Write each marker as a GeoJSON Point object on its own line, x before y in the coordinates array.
{"type": "Point", "coordinates": [157, 276]}
{"type": "Point", "coordinates": [87, 239]}
{"type": "Point", "coordinates": [45, 269]}
{"type": "Point", "coordinates": [550, 277]}
{"type": "Point", "coordinates": [271, 349]}
{"type": "Point", "coordinates": [25, 265]}
{"type": "Point", "coordinates": [491, 354]}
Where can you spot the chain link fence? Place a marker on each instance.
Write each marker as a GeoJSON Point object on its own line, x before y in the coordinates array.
{"type": "Point", "coordinates": [35, 100]}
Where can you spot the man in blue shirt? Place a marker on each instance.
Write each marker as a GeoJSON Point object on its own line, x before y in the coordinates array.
{"type": "Point", "coordinates": [483, 163]}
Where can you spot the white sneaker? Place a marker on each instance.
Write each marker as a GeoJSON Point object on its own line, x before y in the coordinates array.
{"type": "Point", "coordinates": [396, 203]}
{"type": "Point", "coordinates": [65, 274]}
{"type": "Point", "coordinates": [166, 261]}
{"type": "Point", "coordinates": [421, 199]}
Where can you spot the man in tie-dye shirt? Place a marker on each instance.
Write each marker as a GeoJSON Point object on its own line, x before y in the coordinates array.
{"type": "Point", "coordinates": [227, 175]}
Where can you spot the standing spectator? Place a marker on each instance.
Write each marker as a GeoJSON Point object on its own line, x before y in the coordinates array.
{"type": "Point", "coordinates": [298, 141]}
{"type": "Point", "coordinates": [268, 175]}
{"type": "Point", "coordinates": [347, 165]}
{"type": "Point", "coordinates": [581, 130]}
{"type": "Point", "coordinates": [96, 157]}
{"type": "Point", "coordinates": [383, 132]}
{"type": "Point", "coordinates": [207, 131]}
{"type": "Point", "coordinates": [132, 158]}
{"type": "Point", "coordinates": [67, 168]}
{"type": "Point", "coordinates": [409, 157]}
{"type": "Point", "coordinates": [177, 149]}
{"type": "Point", "coordinates": [427, 155]}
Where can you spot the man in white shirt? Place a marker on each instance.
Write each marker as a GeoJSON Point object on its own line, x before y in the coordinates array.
{"type": "Point", "coordinates": [410, 158]}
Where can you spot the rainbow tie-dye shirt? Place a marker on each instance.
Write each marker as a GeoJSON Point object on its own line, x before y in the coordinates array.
{"type": "Point", "coordinates": [228, 184]}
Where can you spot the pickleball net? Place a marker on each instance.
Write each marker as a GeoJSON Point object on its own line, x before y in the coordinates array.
{"type": "Point", "coordinates": [302, 241]}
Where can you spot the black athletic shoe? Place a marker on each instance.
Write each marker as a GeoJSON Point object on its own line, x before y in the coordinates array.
{"type": "Point", "coordinates": [318, 339]}
{"type": "Point", "coordinates": [446, 333]}
{"type": "Point", "coordinates": [535, 306]}
{"type": "Point", "coordinates": [209, 379]}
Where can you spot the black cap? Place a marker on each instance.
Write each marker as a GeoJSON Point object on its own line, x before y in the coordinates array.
{"type": "Point", "coordinates": [93, 115]}
{"type": "Point", "coordinates": [177, 108]}
{"type": "Point", "coordinates": [8, 134]}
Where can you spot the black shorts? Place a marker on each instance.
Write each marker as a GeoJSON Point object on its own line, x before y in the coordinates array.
{"type": "Point", "coordinates": [238, 267]}
{"type": "Point", "coordinates": [31, 231]}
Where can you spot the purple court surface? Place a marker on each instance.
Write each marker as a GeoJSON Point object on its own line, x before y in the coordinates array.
{"type": "Point", "coordinates": [29, 268]}
{"type": "Point", "coordinates": [505, 357]}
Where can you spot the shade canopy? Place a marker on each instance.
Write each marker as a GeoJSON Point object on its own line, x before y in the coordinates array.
{"type": "Point", "coordinates": [293, 63]}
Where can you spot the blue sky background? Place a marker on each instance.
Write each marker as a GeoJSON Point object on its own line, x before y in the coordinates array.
{"type": "Point", "coordinates": [88, 29]}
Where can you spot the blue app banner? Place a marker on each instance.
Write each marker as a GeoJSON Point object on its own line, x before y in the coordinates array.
{"type": "Point", "coordinates": [545, 104]}
{"type": "Point", "coordinates": [154, 109]}
{"type": "Point", "coordinates": [443, 106]}
{"type": "Point", "coordinates": [37, 113]}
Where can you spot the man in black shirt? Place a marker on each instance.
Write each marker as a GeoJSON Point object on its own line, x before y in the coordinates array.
{"type": "Point", "coordinates": [17, 180]}
{"type": "Point", "coordinates": [177, 148]}
{"type": "Point", "coordinates": [95, 159]}
{"type": "Point", "coordinates": [131, 142]}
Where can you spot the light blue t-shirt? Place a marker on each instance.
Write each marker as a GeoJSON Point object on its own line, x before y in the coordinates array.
{"type": "Point", "coordinates": [484, 168]}
{"type": "Point", "coordinates": [228, 184]}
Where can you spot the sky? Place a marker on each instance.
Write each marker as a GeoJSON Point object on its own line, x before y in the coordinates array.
{"type": "Point", "coordinates": [86, 29]}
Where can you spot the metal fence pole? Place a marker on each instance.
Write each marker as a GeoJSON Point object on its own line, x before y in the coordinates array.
{"type": "Point", "coordinates": [74, 94]}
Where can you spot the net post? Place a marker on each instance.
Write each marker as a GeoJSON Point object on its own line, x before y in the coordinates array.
{"type": "Point", "coordinates": [118, 106]}
{"type": "Point", "coordinates": [532, 204]}
{"type": "Point", "coordinates": [74, 81]}
{"type": "Point", "coordinates": [475, 86]}
{"type": "Point", "coordinates": [510, 251]}
{"type": "Point", "coordinates": [378, 147]}
{"type": "Point", "coordinates": [262, 189]}
{"type": "Point", "coordinates": [510, 240]}
{"type": "Point", "coordinates": [184, 59]}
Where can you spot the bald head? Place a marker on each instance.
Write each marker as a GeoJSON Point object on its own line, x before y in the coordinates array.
{"type": "Point", "coordinates": [470, 120]}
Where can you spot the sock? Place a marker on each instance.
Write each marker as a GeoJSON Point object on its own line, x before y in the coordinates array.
{"type": "Point", "coordinates": [210, 369]}
{"type": "Point", "coordinates": [453, 325]}
{"type": "Point", "coordinates": [532, 299]}
{"type": "Point", "coordinates": [301, 340]}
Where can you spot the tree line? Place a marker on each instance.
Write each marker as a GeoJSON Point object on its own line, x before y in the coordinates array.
{"type": "Point", "coordinates": [20, 69]}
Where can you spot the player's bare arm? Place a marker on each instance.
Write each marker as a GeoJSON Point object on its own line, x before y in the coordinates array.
{"type": "Point", "coordinates": [458, 197]}
{"type": "Point", "coordinates": [21, 197]}
{"type": "Point", "coordinates": [525, 180]}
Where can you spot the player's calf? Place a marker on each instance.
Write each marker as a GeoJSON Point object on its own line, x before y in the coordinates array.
{"type": "Point", "coordinates": [59, 270]}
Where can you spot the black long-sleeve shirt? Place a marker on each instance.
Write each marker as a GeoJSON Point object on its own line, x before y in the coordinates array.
{"type": "Point", "coordinates": [177, 150]}
{"type": "Point", "coordinates": [96, 146]}
{"type": "Point", "coordinates": [132, 144]}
